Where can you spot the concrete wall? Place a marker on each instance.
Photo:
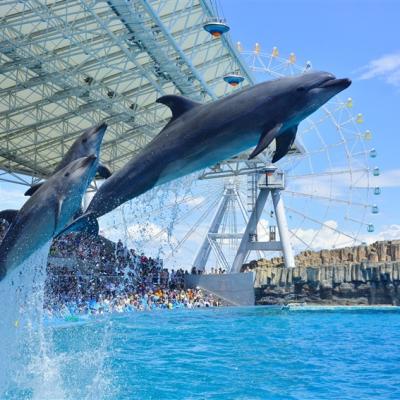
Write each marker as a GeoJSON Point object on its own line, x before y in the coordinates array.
{"type": "Point", "coordinates": [359, 283]}
{"type": "Point", "coordinates": [236, 289]}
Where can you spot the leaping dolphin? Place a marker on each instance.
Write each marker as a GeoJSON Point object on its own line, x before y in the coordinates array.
{"type": "Point", "coordinates": [46, 213]}
{"type": "Point", "coordinates": [200, 135]}
{"type": "Point", "coordinates": [85, 145]}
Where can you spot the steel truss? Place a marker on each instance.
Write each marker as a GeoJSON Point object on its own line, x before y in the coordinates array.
{"type": "Point", "coordinates": [66, 65]}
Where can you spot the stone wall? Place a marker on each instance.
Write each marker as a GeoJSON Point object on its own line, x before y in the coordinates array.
{"type": "Point", "coordinates": [357, 283]}
{"type": "Point", "coordinates": [377, 252]}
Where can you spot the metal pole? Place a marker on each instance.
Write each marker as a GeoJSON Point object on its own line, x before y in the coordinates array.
{"type": "Point", "coordinates": [204, 252]}
{"type": "Point", "coordinates": [283, 228]}
{"type": "Point", "coordinates": [251, 228]}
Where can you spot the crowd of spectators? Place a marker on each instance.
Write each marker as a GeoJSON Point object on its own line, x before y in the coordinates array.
{"type": "Point", "coordinates": [102, 276]}
{"type": "Point", "coordinates": [92, 275]}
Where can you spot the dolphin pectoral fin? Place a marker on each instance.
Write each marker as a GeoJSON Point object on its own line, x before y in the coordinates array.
{"type": "Point", "coordinates": [265, 140]}
{"type": "Point", "coordinates": [284, 142]}
{"type": "Point", "coordinates": [178, 104]}
{"type": "Point", "coordinates": [103, 171]}
{"type": "Point", "coordinates": [8, 215]}
{"type": "Point", "coordinates": [33, 189]}
{"type": "Point", "coordinates": [86, 223]}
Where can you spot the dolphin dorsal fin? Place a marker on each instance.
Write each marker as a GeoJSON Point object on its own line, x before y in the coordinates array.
{"type": "Point", "coordinates": [178, 104]}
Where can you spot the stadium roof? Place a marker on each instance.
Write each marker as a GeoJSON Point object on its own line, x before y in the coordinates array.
{"type": "Point", "coordinates": [67, 64]}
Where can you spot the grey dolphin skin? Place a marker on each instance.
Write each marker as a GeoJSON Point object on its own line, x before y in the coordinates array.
{"type": "Point", "coordinates": [46, 213]}
{"type": "Point", "coordinates": [200, 135]}
{"type": "Point", "coordinates": [86, 144]}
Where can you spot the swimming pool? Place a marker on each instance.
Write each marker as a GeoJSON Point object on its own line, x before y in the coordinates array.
{"type": "Point", "coordinates": [221, 353]}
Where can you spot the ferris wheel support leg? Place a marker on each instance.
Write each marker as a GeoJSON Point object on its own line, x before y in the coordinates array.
{"type": "Point", "coordinates": [283, 228]}
{"type": "Point", "coordinates": [204, 252]}
{"type": "Point", "coordinates": [251, 228]}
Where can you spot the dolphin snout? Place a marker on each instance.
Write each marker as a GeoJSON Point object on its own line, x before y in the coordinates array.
{"type": "Point", "coordinates": [336, 83]}
{"type": "Point", "coordinates": [99, 129]}
{"type": "Point", "coordinates": [89, 160]}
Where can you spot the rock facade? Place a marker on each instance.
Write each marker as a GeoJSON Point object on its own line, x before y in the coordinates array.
{"type": "Point", "coordinates": [354, 284]}
{"type": "Point", "coordinates": [378, 252]}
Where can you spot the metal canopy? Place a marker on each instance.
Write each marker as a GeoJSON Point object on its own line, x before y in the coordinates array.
{"type": "Point", "coordinates": [65, 65]}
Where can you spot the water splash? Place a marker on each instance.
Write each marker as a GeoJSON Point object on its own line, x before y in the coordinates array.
{"type": "Point", "coordinates": [33, 361]}
{"type": "Point", "coordinates": [24, 362]}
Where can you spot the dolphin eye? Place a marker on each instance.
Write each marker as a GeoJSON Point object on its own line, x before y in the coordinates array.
{"type": "Point", "coordinates": [84, 140]}
{"type": "Point", "coordinates": [301, 89]}
{"type": "Point", "coordinates": [67, 174]}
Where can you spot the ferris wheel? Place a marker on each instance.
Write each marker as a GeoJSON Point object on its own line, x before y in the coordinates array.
{"type": "Point", "coordinates": [328, 195]}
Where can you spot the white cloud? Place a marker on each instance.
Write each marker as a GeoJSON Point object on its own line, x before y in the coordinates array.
{"type": "Point", "coordinates": [338, 185]}
{"type": "Point", "coordinates": [142, 233]}
{"type": "Point", "coordinates": [389, 232]}
{"type": "Point", "coordinates": [194, 201]}
{"type": "Point", "coordinates": [386, 67]}
{"type": "Point", "coordinates": [317, 239]}
{"type": "Point", "coordinates": [327, 238]}
{"type": "Point", "coordinates": [13, 199]}
{"type": "Point", "coordinates": [390, 178]}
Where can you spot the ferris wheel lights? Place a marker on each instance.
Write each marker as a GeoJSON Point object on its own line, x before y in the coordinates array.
{"type": "Point", "coordinates": [368, 135]}
{"type": "Point", "coordinates": [370, 228]}
{"type": "Point", "coordinates": [375, 209]}
{"type": "Point", "coordinates": [377, 190]}
{"type": "Point", "coordinates": [257, 48]}
{"type": "Point", "coordinates": [275, 52]}
{"type": "Point", "coordinates": [239, 47]}
{"type": "Point", "coordinates": [373, 153]}
{"type": "Point", "coordinates": [360, 118]}
{"type": "Point", "coordinates": [349, 103]}
{"type": "Point", "coordinates": [292, 58]}
{"type": "Point", "coordinates": [376, 171]}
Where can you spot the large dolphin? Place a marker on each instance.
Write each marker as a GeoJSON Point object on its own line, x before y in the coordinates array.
{"type": "Point", "coordinates": [46, 213]}
{"type": "Point", "coordinates": [85, 145]}
{"type": "Point", "coordinates": [200, 135]}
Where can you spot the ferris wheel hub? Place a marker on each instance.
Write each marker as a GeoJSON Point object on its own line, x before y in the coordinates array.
{"type": "Point", "coordinates": [271, 178]}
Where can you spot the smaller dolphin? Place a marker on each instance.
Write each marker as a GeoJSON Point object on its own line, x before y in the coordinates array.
{"type": "Point", "coordinates": [46, 213]}
{"type": "Point", "coordinates": [86, 144]}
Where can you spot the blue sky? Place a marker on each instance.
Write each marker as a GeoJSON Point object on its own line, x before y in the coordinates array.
{"type": "Point", "coordinates": [352, 38]}
{"type": "Point", "coordinates": [356, 39]}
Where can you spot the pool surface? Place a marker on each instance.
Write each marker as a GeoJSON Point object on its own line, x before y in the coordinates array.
{"type": "Point", "coordinates": [221, 353]}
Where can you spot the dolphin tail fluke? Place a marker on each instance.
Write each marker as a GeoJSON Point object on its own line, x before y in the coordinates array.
{"type": "Point", "coordinates": [33, 189]}
{"type": "Point", "coordinates": [86, 223]}
{"type": "Point", "coordinates": [8, 215]}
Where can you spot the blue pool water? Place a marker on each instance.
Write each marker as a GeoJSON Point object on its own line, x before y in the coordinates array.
{"type": "Point", "coordinates": [225, 353]}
